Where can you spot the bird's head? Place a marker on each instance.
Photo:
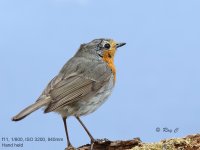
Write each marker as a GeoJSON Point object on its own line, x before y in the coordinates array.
{"type": "Point", "coordinates": [100, 49]}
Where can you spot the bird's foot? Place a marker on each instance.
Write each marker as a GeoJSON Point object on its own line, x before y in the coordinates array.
{"type": "Point", "coordinates": [70, 147]}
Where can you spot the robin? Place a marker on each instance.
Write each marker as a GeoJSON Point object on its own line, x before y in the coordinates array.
{"type": "Point", "coordinates": [83, 84]}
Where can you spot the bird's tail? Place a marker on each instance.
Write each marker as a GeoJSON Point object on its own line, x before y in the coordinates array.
{"type": "Point", "coordinates": [28, 110]}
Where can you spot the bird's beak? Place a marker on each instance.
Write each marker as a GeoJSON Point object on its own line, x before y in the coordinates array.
{"type": "Point", "coordinates": [120, 44]}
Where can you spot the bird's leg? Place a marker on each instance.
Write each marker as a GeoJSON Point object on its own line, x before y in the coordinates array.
{"type": "Point", "coordinates": [69, 145]}
{"type": "Point", "coordinates": [91, 137]}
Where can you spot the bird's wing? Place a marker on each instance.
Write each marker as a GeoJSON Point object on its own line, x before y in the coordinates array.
{"type": "Point", "coordinates": [66, 90]}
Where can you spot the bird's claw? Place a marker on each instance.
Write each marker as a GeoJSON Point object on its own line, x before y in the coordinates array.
{"type": "Point", "coordinates": [70, 147]}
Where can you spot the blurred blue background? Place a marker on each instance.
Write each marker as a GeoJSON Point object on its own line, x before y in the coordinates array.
{"type": "Point", "coordinates": [158, 71]}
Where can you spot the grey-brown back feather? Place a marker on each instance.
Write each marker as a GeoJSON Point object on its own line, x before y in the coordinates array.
{"type": "Point", "coordinates": [69, 92]}
{"type": "Point", "coordinates": [78, 80]}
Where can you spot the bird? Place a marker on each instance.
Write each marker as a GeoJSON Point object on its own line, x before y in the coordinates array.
{"type": "Point", "coordinates": [83, 84]}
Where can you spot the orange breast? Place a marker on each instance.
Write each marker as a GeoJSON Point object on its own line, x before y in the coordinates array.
{"type": "Point", "coordinates": [108, 57]}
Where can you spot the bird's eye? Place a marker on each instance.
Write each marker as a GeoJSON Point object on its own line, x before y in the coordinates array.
{"type": "Point", "coordinates": [107, 46]}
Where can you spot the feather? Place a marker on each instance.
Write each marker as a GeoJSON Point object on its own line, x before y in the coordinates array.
{"type": "Point", "coordinates": [31, 109]}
